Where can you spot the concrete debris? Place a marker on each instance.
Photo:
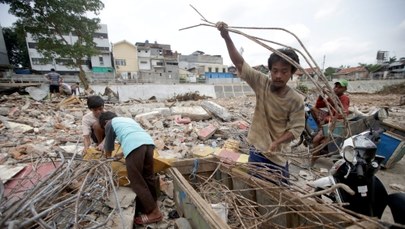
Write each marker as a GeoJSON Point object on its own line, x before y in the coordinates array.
{"type": "Point", "coordinates": [181, 129]}
{"type": "Point", "coordinates": [217, 110]}
{"type": "Point", "coordinates": [38, 93]}
{"type": "Point", "coordinates": [195, 113]}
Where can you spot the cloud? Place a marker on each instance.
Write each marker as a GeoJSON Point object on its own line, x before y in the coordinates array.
{"type": "Point", "coordinates": [402, 25]}
{"type": "Point", "coordinates": [346, 44]}
{"type": "Point", "coordinates": [327, 9]}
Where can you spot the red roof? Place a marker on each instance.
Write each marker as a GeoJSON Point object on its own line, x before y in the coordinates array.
{"type": "Point", "coordinates": [346, 71]}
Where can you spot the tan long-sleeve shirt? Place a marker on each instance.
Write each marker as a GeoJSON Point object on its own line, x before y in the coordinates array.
{"type": "Point", "coordinates": [273, 115]}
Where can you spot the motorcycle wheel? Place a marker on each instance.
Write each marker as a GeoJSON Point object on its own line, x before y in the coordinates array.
{"type": "Point", "coordinates": [396, 202]}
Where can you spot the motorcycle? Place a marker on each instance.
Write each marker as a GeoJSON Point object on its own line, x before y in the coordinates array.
{"type": "Point", "coordinates": [356, 169]}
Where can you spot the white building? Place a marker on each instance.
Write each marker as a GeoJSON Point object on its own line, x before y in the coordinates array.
{"type": "Point", "coordinates": [4, 62]}
{"type": "Point", "coordinates": [97, 64]}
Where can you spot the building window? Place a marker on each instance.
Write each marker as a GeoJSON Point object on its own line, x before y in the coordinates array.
{"type": "Point", "coordinates": [159, 63]}
{"type": "Point", "coordinates": [209, 69]}
{"type": "Point", "coordinates": [144, 62]}
{"type": "Point", "coordinates": [120, 62]}
{"type": "Point", "coordinates": [100, 35]}
{"type": "Point", "coordinates": [101, 60]}
{"type": "Point", "coordinates": [61, 61]}
{"type": "Point", "coordinates": [216, 69]}
{"type": "Point", "coordinates": [32, 45]}
{"type": "Point", "coordinates": [38, 61]}
{"type": "Point", "coordinates": [223, 70]}
{"type": "Point", "coordinates": [103, 48]}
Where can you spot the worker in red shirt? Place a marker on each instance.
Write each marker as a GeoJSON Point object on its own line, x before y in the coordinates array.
{"type": "Point", "coordinates": [323, 116]}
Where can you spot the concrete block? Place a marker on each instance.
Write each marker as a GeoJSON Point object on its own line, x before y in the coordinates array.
{"type": "Point", "coordinates": [148, 115]}
{"type": "Point", "coordinates": [217, 110]}
{"type": "Point", "coordinates": [207, 132]}
{"type": "Point", "coordinates": [195, 113]}
{"type": "Point", "coordinates": [232, 156]}
{"type": "Point", "coordinates": [144, 108]}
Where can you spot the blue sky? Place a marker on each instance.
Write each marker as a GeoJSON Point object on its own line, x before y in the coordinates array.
{"type": "Point", "coordinates": [346, 32]}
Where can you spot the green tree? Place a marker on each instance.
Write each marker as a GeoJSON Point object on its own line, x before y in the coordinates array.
{"type": "Point", "coordinates": [17, 51]}
{"type": "Point", "coordinates": [329, 71]}
{"type": "Point", "coordinates": [50, 21]}
{"type": "Point", "coordinates": [392, 59]}
{"type": "Point", "coordinates": [371, 67]}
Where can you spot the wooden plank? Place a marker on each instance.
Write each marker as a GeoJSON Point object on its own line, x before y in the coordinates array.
{"type": "Point", "coordinates": [190, 204]}
{"type": "Point", "coordinates": [302, 212]}
{"type": "Point", "coordinates": [394, 128]}
{"type": "Point", "coordinates": [185, 166]}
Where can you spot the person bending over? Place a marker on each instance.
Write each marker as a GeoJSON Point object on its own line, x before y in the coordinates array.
{"type": "Point", "coordinates": [137, 147]}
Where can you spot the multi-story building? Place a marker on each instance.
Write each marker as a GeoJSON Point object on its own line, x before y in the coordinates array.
{"type": "Point", "coordinates": [125, 60]}
{"type": "Point", "coordinates": [96, 64]}
{"type": "Point", "coordinates": [4, 62]}
{"type": "Point", "coordinates": [156, 62]}
{"type": "Point", "coordinates": [209, 66]}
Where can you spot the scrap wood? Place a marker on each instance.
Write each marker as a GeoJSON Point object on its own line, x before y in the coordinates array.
{"type": "Point", "coordinates": [248, 210]}
{"type": "Point", "coordinates": [70, 100]}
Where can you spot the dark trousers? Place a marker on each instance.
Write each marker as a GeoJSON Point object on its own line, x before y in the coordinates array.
{"type": "Point", "coordinates": [139, 165]}
{"type": "Point", "coordinates": [256, 156]}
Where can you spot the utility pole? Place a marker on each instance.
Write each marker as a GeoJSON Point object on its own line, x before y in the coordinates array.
{"type": "Point", "coordinates": [323, 63]}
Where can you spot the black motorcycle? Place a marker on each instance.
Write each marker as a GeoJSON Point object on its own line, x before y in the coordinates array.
{"type": "Point", "coordinates": [356, 169]}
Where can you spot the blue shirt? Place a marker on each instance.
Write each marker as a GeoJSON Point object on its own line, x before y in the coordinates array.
{"type": "Point", "coordinates": [54, 78]}
{"type": "Point", "coordinates": [128, 132]}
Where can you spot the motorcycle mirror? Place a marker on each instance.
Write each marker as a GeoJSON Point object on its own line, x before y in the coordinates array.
{"type": "Point", "coordinates": [349, 154]}
{"type": "Point", "coordinates": [381, 114]}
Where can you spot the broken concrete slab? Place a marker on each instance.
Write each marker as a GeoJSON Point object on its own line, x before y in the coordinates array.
{"type": "Point", "coordinates": [71, 149]}
{"type": "Point", "coordinates": [195, 113]}
{"type": "Point", "coordinates": [38, 93]}
{"type": "Point", "coordinates": [217, 110]}
{"type": "Point", "coordinates": [20, 127]}
{"type": "Point", "coordinates": [126, 201]}
{"type": "Point", "coordinates": [148, 115]}
{"type": "Point", "coordinates": [126, 198]}
{"type": "Point", "coordinates": [144, 108]}
{"type": "Point", "coordinates": [9, 171]}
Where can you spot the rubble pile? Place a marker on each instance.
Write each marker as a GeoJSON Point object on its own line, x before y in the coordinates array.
{"type": "Point", "coordinates": [34, 133]}
{"type": "Point", "coordinates": [38, 131]}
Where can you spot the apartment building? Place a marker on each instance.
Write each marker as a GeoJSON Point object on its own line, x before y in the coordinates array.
{"type": "Point", "coordinates": [4, 62]}
{"type": "Point", "coordinates": [125, 60]}
{"type": "Point", "coordinates": [156, 62]}
{"type": "Point", "coordinates": [209, 66]}
{"type": "Point", "coordinates": [96, 64]}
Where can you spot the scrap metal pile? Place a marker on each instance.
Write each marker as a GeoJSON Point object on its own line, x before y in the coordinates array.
{"type": "Point", "coordinates": [59, 192]}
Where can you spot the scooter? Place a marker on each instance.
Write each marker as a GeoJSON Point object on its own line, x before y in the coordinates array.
{"type": "Point", "coordinates": [357, 169]}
